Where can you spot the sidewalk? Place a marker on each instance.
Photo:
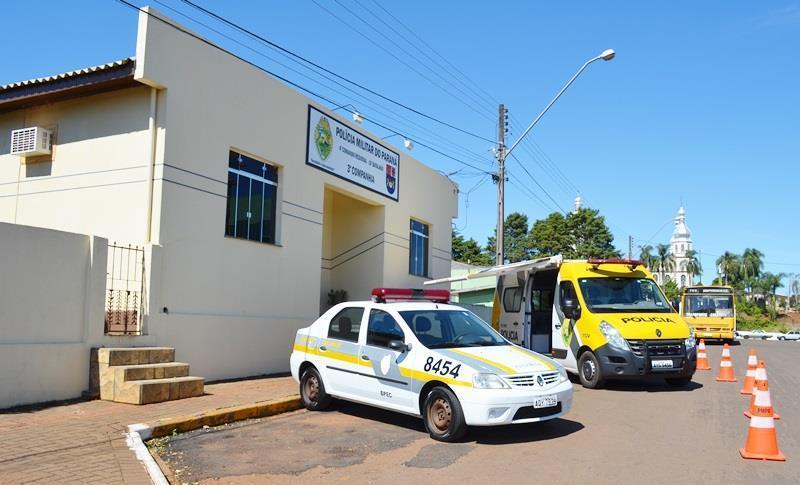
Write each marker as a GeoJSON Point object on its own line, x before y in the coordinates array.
{"type": "Point", "coordinates": [84, 442]}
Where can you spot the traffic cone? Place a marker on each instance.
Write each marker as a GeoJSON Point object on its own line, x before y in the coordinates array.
{"type": "Point", "coordinates": [702, 357]}
{"type": "Point", "coordinates": [760, 381]}
{"type": "Point", "coordinates": [726, 366]}
{"type": "Point", "coordinates": [762, 440]}
{"type": "Point", "coordinates": [750, 377]}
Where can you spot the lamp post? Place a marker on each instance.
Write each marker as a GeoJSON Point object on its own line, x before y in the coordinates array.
{"type": "Point", "coordinates": [406, 141]}
{"type": "Point", "coordinates": [503, 153]}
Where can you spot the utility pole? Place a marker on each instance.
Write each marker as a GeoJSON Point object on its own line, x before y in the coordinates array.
{"type": "Point", "coordinates": [501, 182]}
{"type": "Point", "coordinates": [630, 247]}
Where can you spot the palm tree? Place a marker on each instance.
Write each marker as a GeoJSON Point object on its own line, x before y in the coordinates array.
{"type": "Point", "coordinates": [728, 263]}
{"type": "Point", "coordinates": [770, 283]}
{"type": "Point", "coordinates": [664, 261]}
{"type": "Point", "coordinates": [752, 264]}
{"type": "Point", "coordinates": [693, 265]}
{"type": "Point", "coordinates": [646, 256]}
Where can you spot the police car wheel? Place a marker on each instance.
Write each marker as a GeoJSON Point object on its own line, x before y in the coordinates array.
{"type": "Point", "coordinates": [589, 371]}
{"type": "Point", "coordinates": [444, 419]}
{"type": "Point", "coordinates": [312, 391]}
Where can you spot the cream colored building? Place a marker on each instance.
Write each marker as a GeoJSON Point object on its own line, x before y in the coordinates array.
{"type": "Point", "coordinates": [157, 150]}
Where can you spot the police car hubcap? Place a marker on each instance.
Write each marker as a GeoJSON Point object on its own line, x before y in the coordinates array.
{"type": "Point", "coordinates": [312, 388]}
{"type": "Point", "coordinates": [439, 414]}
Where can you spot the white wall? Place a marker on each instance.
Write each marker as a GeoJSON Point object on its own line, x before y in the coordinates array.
{"type": "Point", "coordinates": [51, 312]}
{"type": "Point", "coordinates": [233, 306]}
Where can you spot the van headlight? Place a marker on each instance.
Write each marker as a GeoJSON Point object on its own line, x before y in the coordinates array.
{"type": "Point", "coordinates": [613, 337]}
{"type": "Point", "coordinates": [691, 341]}
{"type": "Point", "coordinates": [562, 374]}
{"type": "Point", "coordinates": [488, 381]}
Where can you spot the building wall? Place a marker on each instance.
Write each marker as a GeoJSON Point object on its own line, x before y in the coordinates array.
{"type": "Point", "coordinates": [96, 180]}
{"type": "Point", "coordinates": [234, 306]}
{"type": "Point", "coordinates": [230, 307]}
{"type": "Point", "coordinates": [51, 312]}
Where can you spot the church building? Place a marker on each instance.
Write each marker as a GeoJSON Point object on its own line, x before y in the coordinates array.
{"type": "Point", "coordinates": [679, 245]}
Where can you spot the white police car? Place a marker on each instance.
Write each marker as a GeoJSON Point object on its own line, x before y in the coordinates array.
{"type": "Point", "coordinates": [409, 351]}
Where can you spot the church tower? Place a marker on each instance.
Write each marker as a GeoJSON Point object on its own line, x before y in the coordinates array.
{"type": "Point", "coordinates": [679, 245]}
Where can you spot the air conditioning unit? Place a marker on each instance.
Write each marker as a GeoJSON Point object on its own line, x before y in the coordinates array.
{"type": "Point", "coordinates": [30, 142]}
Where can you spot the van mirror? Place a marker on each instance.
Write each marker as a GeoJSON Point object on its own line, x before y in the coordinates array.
{"type": "Point", "coordinates": [571, 309]}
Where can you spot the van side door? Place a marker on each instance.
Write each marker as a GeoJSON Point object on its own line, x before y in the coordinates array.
{"type": "Point", "coordinates": [564, 336]}
{"type": "Point", "coordinates": [512, 314]}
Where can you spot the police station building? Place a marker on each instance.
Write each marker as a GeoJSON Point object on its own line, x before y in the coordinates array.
{"type": "Point", "coordinates": [256, 207]}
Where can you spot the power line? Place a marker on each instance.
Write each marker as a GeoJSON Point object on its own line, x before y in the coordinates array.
{"type": "Point", "coordinates": [288, 81]}
{"type": "Point", "coordinates": [399, 59]}
{"type": "Point", "coordinates": [318, 66]}
{"type": "Point", "coordinates": [367, 101]}
{"type": "Point", "coordinates": [528, 193]}
{"type": "Point", "coordinates": [537, 183]}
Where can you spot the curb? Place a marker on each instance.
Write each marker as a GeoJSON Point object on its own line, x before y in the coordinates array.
{"type": "Point", "coordinates": [138, 433]}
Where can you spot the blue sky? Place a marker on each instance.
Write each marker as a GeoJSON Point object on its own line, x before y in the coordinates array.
{"type": "Point", "coordinates": [701, 105]}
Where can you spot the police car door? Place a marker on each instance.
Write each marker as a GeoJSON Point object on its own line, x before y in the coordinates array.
{"type": "Point", "coordinates": [385, 385]}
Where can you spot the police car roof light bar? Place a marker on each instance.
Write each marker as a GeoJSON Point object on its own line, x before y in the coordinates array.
{"type": "Point", "coordinates": [631, 263]}
{"type": "Point", "coordinates": [383, 295]}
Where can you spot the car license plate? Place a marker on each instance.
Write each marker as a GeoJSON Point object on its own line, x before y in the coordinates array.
{"type": "Point", "coordinates": [661, 364]}
{"type": "Point", "coordinates": [707, 334]}
{"type": "Point", "coordinates": [545, 401]}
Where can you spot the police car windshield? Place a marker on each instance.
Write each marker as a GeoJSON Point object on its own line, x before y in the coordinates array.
{"type": "Point", "coordinates": [623, 295]}
{"type": "Point", "coordinates": [438, 329]}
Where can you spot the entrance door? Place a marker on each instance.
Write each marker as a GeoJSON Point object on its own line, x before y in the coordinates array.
{"type": "Point", "coordinates": [384, 384]}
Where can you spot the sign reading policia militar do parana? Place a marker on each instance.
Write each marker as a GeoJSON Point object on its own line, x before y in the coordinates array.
{"type": "Point", "coordinates": [346, 153]}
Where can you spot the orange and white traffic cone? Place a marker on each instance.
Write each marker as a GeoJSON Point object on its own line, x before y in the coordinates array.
{"type": "Point", "coordinates": [750, 377]}
{"type": "Point", "coordinates": [762, 440]}
{"type": "Point", "coordinates": [726, 366]}
{"type": "Point", "coordinates": [761, 381]}
{"type": "Point", "coordinates": [702, 357]}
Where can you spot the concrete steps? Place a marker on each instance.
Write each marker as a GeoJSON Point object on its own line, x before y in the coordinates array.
{"type": "Point", "coordinates": [144, 375]}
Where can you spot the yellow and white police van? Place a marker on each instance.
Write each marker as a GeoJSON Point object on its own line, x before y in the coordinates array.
{"type": "Point", "coordinates": [600, 318]}
{"type": "Point", "coordinates": [410, 351]}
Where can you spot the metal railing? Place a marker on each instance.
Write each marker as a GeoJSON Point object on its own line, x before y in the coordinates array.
{"type": "Point", "coordinates": [124, 289]}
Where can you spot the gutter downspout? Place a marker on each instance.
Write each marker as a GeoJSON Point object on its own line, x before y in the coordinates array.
{"type": "Point", "coordinates": [152, 165]}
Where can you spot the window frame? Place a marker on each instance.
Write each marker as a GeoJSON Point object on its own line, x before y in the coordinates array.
{"type": "Point", "coordinates": [426, 253]}
{"type": "Point", "coordinates": [367, 340]}
{"type": "Point", "coordinates": [357, 333]}
{"type": "Point", "coordinates": [517, 299]}
{"type": "Point", "coordinates": [272, 181]}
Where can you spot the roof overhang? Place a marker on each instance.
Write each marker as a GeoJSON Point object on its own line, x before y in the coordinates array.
{"type": "Point", "coordinates": [73, 84]}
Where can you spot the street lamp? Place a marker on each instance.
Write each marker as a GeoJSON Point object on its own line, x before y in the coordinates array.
{"type": "Point", "coordinates": [406, 141]}
{"type": "Point", "coordinates": [502, 152]}
{"type": "Point", "coordinates": [357, 117]}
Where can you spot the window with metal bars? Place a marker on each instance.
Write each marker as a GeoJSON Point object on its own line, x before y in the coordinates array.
{"type": "Point", "coordinates": [252, 199]}
{"type": "Point", "coordinates": [418, 249]}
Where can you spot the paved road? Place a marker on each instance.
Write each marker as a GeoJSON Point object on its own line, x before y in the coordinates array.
{"type": "Point", "coordinates": [629, 433]}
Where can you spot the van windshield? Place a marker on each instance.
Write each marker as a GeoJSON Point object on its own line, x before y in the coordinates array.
{"type": "Point", "coordinates": [439, 329]}
{"type": "Point", "coordinates": [623, 295]}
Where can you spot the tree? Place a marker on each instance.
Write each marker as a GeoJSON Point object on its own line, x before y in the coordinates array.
{"type": "Point", "coordinates": [752, 263]}
{"type": "Point", "coordinates": [671, 290]}
{"type": "Point", "coordinates": [516, 242]}
{"type": "Point", "coordinates": [664, 261]}
{"type": "Point", "coordinates": [770, 283]}
{"type": "Point", "coordinates": [469, 251]}
{"type": "Point", "coordinates": [581, 234]}
{"type": "Point", "coordinates": [693, 265]}
{"type": "Point", "coordinates": [728, 265]}
{"type": "Point", "coordinates": [647, 257]}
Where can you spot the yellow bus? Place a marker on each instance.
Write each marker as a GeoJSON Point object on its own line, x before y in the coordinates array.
{"type": "Point", "coordinates": [710, 310]}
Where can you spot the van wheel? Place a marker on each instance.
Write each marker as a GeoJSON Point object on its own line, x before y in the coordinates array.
{"type": "Point", "coordinates": [444, 419]}
{"type": "Point", "coordinates": [312, 391]}
{"type": "Point", "coordinates": [589, 371]}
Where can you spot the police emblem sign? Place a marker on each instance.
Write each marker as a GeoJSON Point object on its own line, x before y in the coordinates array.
{"type": "Point", "coordinates": [346, 153]}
